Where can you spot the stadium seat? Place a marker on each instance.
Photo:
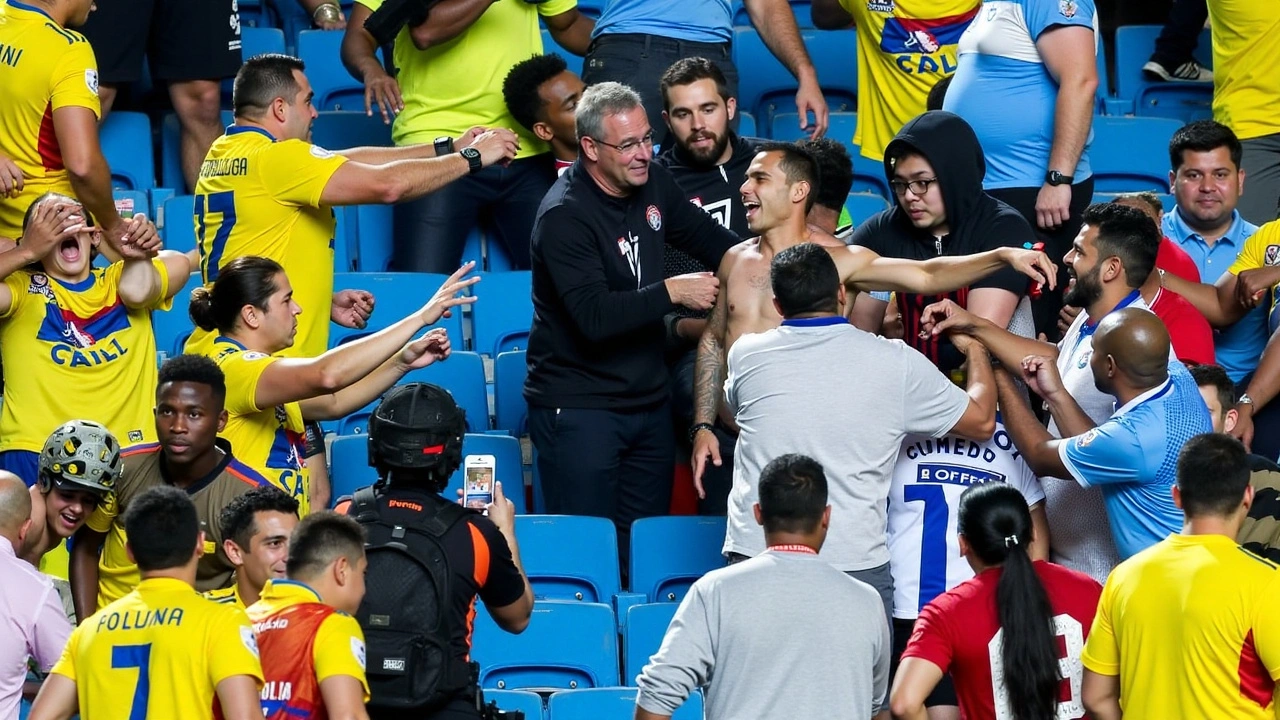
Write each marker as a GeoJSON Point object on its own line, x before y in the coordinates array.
{"type": "Point", "coordinates": [172, 327]}
{"type": "Point", "coordinates": [669, 553]}
{"type": "Point", "coordinates": [569, 557]}
{"type": "Point", "coordinates": [786, 127]}
{"type": "Point", "coordinates": [551, 47]}
{"type": "Point", "coordinates": [566, 645]}
{"type": "Point", "coordinates": [179, 223]}
{"type": "Point", "coordinates": [254, 41]}
{"type": "Point", "coordinates": [1184, 101]}
{"type": "Point", "coordinates": [488, 254]}
{"type": "Point", "coordinates": [862, 206]}
{"type": "Point", "coordinates": [344, 239]}
{"type": "Point", "coordinates": [463, 376]}
{"type": "Point", "coordinates": [257, 13]}
{"type": "Point", "coordinates": [529, 703]}
{"type": "Point", "coordinates": [1168, 201]}
{"type": "Point", "coordinates": [507, 466]}
{"type": "Point", "coordinates": [373, 237]}
{"type": "Point", "coordinates": [747, 124]}
{"type": "Point", "coordinates": [803, 11]}
{"type": "Point", "coordinates": [1131, 153]}
{"type": "Point", "coordinates": [502, 315]}
{"type": "Point", "coordinates": [510, 411]}
{"type": "Point", "coordinates": [615, 703]}
{"type": "Point", "coordinates": [126, 144]}
{"type": "Point", "coordinates": [349, 468]}
{"type": "Point", "coordinates": [646, 626]}
{"type": "Point", "coordinates": [342, 129]}
{"type": "Point", "coordinates": [768, 88]}
{"type": "Point", "coordinates": [396, 295]}
{"type": "Point", "coordinates": [334, 87]}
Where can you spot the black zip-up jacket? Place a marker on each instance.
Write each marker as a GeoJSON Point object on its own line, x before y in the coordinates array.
{"type": "Point", "coordinates": [718, 190]}
{"type": "Point", "coordinates": [598, 292]}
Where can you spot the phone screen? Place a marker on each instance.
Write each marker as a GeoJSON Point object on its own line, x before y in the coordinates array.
{"type": "Point", "coordinates": [478, 489]}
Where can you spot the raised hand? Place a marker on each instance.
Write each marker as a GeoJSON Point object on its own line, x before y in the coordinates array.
{"type": "Point", "coordinates": [1033, 264]}
{"type": "Point", "coordinates": [447, 296]}
{"type": "Point", "coordinates": [1041, 375]}
{"type": "Point", "coordinates": [351, 308]}
{"type": "Point", "coordinates": [429, 348]}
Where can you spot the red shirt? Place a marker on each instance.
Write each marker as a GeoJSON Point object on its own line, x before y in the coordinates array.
{"type": "Point", "coordinates": [958, 630]}
{"type": "Point", "coordinates": [1173, 259]}
{"type": "Point", "coordinates": [1189, 332]}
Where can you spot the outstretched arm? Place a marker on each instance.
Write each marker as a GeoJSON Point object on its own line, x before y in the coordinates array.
{"type": "Point", "coordinates": [1039, 449]}
{"type": "Point", "coordinates": [866, 270]}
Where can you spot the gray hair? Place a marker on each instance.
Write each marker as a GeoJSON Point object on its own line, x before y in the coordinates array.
{"type": "Point", "coordinates": [601, 100]}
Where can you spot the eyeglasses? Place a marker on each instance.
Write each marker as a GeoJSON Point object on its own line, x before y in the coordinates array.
{"type": "Point", "coordinates": [917, 187]}
{"type": "Point", "coordinates": [630, 146]}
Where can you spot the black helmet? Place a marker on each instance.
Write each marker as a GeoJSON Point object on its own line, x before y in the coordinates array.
{"type": "Point", "coordinates": [417, 428]}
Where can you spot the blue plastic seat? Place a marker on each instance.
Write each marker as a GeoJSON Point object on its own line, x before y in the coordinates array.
{"type": "Point", "coordinates": [510, 410]}
{"type": "Point", "coordinates": [508, 467]}
{"type": "Point", "coordinates": [179, 223]}
{"type": "Point", "coordinates": [126, 144]}
{"type": "Point", "coordinates": [463, 376]}
{"type": "Point", "coordinates": [334, 87]}
{"type": "Point", "coordinates": [529, 703]}
{"type": "Point", "coordinates": [646, 626]}
{"type": "Point", "coordinates": [342, 129]}
{"type": "Point", "coordinates": [254, 41]}
{"type": "Point", "coordinates": [349, 468]}
{"type": "Point", "coordinates": [569, 557]}
{"type": "Point", "coordinates": [172, 327]}
{"type": "Point", "coordinates": [396, 295]}
{"type": "Point", "coordinates": [373, 237]}
{"type": "Point", "coordinates": [747, 124]}
{"type": "Point", "coordinates": [503, 312]}
{"type": "Point", "coordinates": [862, 206]}
{"type": "Point", "coordinates": [615, 703]}
{"type": "Point", "coordinates": [566, 645]}
{"type": "Point", "coordinates": [487, 254]}
{"type": "Point", "coordinates": [1183, 101]}
{"type": "Point", "coordinates": [669, 553]}
{"type": "Point", "coordinates": [551, 47]}
{"type": "Point", "coordinates": [768, 88]}
{"type": "Point", "coordinates": [1131, 153]}
{"type": "Point", "coordinates": [841, 125]}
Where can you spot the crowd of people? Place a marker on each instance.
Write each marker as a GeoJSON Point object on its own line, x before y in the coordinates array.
{"type": "Point", "coordinates": [998, 451]}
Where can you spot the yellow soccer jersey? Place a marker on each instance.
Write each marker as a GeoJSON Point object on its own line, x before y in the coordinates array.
{"type": "Point", "coordinates": [43, 67]}
{"type": "Point", "coordinates": [1262, 249]}
{"type": "Point", "coordinates": [271, 440]}
{"type": "Point", "coordinates": [59, 336]}
{"type": "Point", "coordinates": [259, 196]}
{"type": "Point", "coordinates": [453, 86]}
{"type": "Point", "coordinates": [226, 596]}
{"type": "Point", "coordinates": [1245, 55]}
{"type": "Point", "coordinates": [158, 652]}
{"type": "Point", "coordinates": [1190, 626]}
{"type": "Point", "coordinates": [904, 48]}
{"type": "Point", "coordinates": [303, 642]}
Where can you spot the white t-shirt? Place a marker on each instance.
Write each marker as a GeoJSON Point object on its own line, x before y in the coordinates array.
{"type": "Point", "coordinates": [822, 388]}
{"type": "Point", "coordinates": [928, 480]}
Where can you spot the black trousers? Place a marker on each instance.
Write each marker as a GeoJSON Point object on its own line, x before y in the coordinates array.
{"type": "Point", "coordinates": [1056, 244]}
{"type": "Point", "coordinates": [431, 232]}
{"type": "Point", "coordinates": [638, 61]}
{"type": "Point", "coordinates": [716, 481]}
{"type": "Point", "coordinates": [606, 463]}
{"type": "Point", "coordinates": [1181, 32]}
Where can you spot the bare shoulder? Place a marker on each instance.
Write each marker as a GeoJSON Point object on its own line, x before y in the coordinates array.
{"type": "Point", "coordinates": [825, 239]}
{"type": "Point", "coordinates": [744, 249]}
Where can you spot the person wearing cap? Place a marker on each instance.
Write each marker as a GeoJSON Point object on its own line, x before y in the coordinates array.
{"type": "Point", "coordinates": [415, 444]}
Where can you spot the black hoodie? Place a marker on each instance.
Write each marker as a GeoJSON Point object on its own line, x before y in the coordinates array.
{"type": "Point", "coordinates": [977, 221]}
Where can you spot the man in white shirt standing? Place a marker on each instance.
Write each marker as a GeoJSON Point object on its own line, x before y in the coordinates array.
{"type": "Point", "coordinates": [820, 387]}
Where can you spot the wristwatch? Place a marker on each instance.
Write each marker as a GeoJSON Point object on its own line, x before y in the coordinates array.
{"type": "Point", "coordinates": [1055, 178]}
{"type": "Point", "coordinates": [473, 158]}
{"type": "Point", "coordinates": [443, 146]}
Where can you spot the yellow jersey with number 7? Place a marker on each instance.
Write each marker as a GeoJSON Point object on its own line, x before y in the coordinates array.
{"type": "Point", "coordinates": [260, 196]}
{"type": "Point", "coordinates": [158, 652]}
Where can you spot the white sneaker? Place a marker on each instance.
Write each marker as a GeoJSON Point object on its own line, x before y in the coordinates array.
{"type": "Point", "coordinates": [1189, 71]}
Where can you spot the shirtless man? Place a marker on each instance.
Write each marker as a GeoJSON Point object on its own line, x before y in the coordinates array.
{"type": "Point", "coordinates": [79, 465]}
{"type": "Point", "coordinates": [778, 194]}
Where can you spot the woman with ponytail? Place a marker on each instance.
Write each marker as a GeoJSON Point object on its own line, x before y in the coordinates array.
{"type": "Point", "coordinates": [251, 316]}
{"type": "Point", "coordinates": [999, 634]}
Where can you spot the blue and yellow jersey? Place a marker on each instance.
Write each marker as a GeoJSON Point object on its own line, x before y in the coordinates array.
{"type": "Point", "coordinates": [259, 196]}
{"type": "Point", "coordinates": [43, 67]}
{"type": "Point", "coordinates": [226, 596]}
{"type": "Point", "coordinates": [58, 336]}
{"type": "Point", "coordinates": [158, 652]}
{"type": "Point", "coordinates": [270, 440]}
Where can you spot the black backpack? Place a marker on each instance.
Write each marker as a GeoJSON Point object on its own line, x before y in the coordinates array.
{"type": "Point", "coordinates": [404, 614]}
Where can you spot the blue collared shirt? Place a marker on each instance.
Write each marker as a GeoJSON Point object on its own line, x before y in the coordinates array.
{"type": "Point", "coordinates": [1238, 347]}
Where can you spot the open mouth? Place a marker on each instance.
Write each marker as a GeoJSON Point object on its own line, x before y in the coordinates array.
{"type": "Point", "coordinates": [69, 250]}
{"type": "Point", "coordinates": [752, 207]}
{"type": "Point", "coordinates": [69, 519]}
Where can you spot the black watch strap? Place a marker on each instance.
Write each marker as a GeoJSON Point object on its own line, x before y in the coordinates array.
{"type": "Point", "coordinates": [473, 159]}
{"type": "Point", "coordinates": [443, 146]}
{"type": "Point", "coordinates": [1053, 177]}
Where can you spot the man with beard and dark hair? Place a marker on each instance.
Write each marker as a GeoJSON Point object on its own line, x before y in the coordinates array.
{"type": "Point", "coordinates": [1109, 260]}
{"type": "Point", "coordinates": [935, 167]}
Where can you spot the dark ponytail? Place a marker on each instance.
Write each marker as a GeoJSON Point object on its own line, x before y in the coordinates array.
{"type": "Point", "coordinates": [243, 281]}
{"type": "Point", "coordinates": [996, 524]}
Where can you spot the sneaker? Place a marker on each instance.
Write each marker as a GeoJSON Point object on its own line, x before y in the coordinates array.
{"type": "Point", "coordinates": [1189, 71]}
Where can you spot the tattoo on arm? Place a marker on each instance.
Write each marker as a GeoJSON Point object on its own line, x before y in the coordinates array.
{"type": "Point", "coordinates": [709, 371]}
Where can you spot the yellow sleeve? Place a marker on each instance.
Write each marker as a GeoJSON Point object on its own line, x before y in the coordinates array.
{"type": "Point", "coordinates": [17, 284]}
{"type": "Point", "coordinates": [242, 371]}
{"type": "Point", "coordinates": [1254, 253]}
{"type": "Point", "coordinates": [115, 270]}
{"type": "Point", "coordinates": [104, 515]}
{"type": "Point", "coordinates": [373, 5]}
{"type": "Point", "coordinates": [233, 648]}
{"type": "Point", "coordinates": [850, 6]}
{"type": "Point", "coordinates": [1101, 652]}
{"type": "Point", "coordinates": [1266, 627]}
{"type": "Point", "coordinates": [551, 8]}
{"type": "Point", "coordinates": [339, 650]}
{"type": "Point", "coordinates": [296, 172]}
{"type": "Point", "coordinates": [75, 79]}
{"type": "Point", "coordinates": [66, 665]}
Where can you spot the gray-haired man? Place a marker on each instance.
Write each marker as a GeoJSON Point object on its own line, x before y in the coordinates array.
{"type": "Point", "coordinates": [597, 386]}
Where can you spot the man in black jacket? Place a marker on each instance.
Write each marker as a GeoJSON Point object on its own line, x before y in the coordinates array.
{"type": "Point", "coordinates": [599, 413]}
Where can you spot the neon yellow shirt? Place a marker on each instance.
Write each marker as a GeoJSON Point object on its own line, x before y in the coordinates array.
{"type": "Point", "coordinates": [1245, 57]}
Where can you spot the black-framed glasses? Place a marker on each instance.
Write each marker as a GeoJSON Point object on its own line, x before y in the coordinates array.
{"type": "Point", "coordinates": [917, 187]}
{"type": "Point", "coordinates": [630, 146]}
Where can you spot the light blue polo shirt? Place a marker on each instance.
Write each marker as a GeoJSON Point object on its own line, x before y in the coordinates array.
{"type": "Point", "coordinates": [1133, 458]}
{"type": "Point", "coordinates": [707, 21]}
{"type": "Point", "coordinates": [1238, 347]}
